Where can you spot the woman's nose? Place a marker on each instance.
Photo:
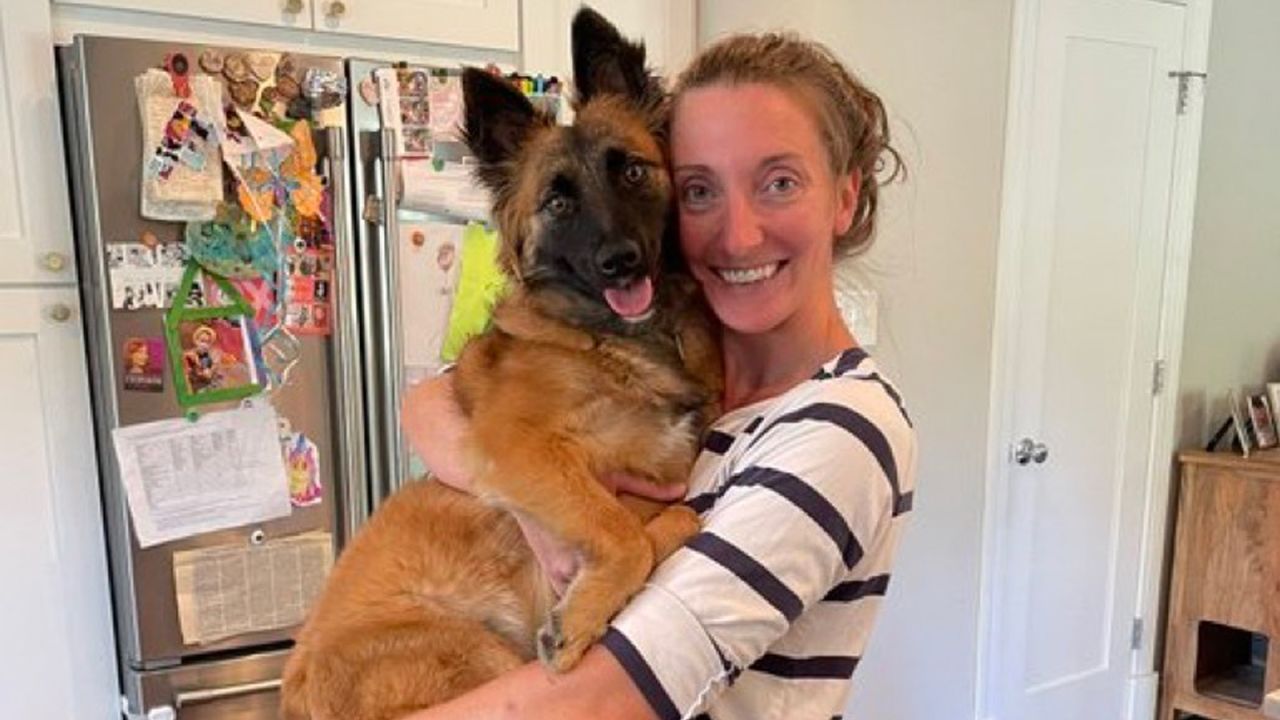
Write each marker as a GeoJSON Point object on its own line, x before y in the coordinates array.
{"type": "Point", "coordinates": [741, 229]}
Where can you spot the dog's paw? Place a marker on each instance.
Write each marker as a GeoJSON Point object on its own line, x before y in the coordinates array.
{"type": "Point", "coordinates": [558, 649]}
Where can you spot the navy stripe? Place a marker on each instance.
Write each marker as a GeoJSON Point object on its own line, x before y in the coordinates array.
{"type": "Point", "coordinates": [856, 425]}
{"type": "Point", "coordinates": [820, 667]}
{"type": "Point", "coordinates": [905, 503]}
{"type": "Point", "coordinates": [750, 571]}
{"type": "Point", "coordinates": [703, 502]}
{"type": "Point", "coordinates": [717, 442]}
{"type": "Point", "coordinates": [811, 502]}
{"type": "Point", "coordinates": [755, 423]}
{"type": "Point", "coordinates": [849, 360]}
{"type": "Point", "coordinates": [858, 589]}
{"type": "Point", "coordinates": [641, 674]}
{"type": "Point", "coordinates": [892, 393]}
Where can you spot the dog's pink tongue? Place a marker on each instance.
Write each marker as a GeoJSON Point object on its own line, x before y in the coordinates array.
{"type": "Point", "coordinates": [631, 301]}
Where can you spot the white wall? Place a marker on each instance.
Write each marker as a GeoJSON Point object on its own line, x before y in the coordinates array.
{"type": "Point", "coordinates": [1232, 332]}
{"type": "Point", "coordinates": [942, 69]}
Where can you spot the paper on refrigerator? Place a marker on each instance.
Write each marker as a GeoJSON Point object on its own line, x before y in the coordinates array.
{"type": "Point", "coordinates": [446, 188]}
{"type": "Point", "coordinates": [429, 258]}
{"type": "Point", "coordinates": [235, 589]}
{"type": "Point", "coordinates": [183, 478]}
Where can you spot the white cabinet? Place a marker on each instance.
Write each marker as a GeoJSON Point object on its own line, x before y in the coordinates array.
{"type": "Point", "coordinates": [55, 620]}
{"type": "Point", "coordinates": [284, 13]}
{"type": "Point", "coordinates": [35, 226]}
{"type": "Point", "coordinates": [488, 24]}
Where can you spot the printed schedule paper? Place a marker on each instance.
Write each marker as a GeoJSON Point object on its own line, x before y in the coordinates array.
{"type": "Point", "coordinates": [235, 589]}
{"type": "Point", "coordinates": [183, 478]}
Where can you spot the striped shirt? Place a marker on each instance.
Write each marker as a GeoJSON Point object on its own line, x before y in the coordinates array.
{"type": "Point", "coordinates": [766, 612]}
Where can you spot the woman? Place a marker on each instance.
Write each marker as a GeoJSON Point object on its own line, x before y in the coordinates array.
{"type": "Point", "coordinates": [804, 482]}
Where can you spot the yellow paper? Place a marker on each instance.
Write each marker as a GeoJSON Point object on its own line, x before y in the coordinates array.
{"type": "Point", "coordinates": [480, 284]}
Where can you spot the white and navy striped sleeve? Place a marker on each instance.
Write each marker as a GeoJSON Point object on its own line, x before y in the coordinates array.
{"type": "Point", "coordinates": [812, 492]}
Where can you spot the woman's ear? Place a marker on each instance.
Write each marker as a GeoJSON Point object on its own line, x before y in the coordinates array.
{"type": "Point", "coordinates": [848, 186]}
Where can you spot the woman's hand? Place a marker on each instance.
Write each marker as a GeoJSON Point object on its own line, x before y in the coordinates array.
{"type": "Point", "coordinates": [561, 561]}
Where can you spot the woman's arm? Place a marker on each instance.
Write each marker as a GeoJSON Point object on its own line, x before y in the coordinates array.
{"type": "Point", "coordinates": [434, 425]}
{"type": "Point", "coordinates": [597, 689]}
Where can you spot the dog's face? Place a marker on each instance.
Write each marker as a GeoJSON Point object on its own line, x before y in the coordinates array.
{"type": "Point", "coordinates": [582, 210]}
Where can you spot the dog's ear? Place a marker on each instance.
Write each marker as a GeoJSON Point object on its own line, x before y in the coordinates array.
{"type": "Point", "coordinates": [604, 63]}
{"type": "Point", "coordinates": [499, 120]}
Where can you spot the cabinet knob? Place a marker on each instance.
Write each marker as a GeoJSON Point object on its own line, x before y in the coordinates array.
{"type": "Point", "coordinates": [293, 7]}
{"type": "Point", "coordinates": [1029, 451]}
{"type": "Point", "coordinates": [60, 312]}
{"type": "Point", "coordinates": [54, 261]}
{"type": "Point", "coordinates": [337, 9]}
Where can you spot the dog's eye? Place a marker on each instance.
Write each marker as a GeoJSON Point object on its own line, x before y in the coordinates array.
{"type": "Point", "coordinates": [634, 173]}
{"type": "Point", "coordinates": [557, 205]}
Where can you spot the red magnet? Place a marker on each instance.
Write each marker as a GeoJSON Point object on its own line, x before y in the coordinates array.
{"type": "Point", "coordinates": [177, 66]}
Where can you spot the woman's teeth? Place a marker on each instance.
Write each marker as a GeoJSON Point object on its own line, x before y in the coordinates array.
{"type": "Point", "coordinates": [744, 276]}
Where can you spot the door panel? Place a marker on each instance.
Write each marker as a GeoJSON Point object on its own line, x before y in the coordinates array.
{"type": "Point", "coordinates": [493, 24]}
{"type": "Point", "coordinates": [1102, 138]}
{"type": "Point", "coordinates": [285, 13]}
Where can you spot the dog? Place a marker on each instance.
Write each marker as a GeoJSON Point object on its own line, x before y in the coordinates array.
{"type": "Point", "coordinates": [601, 358]}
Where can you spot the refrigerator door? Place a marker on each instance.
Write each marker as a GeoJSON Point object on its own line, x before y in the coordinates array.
{"type": "Point", "coordinates": [375, 186]}
{"type": "Point", "coordinates": [322, 399]}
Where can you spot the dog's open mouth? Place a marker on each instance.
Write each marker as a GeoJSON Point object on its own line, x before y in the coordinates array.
{"type": "Point", "coordinates": [632, 302]}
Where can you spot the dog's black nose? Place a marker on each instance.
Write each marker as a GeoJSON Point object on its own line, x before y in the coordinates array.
{"type": "Point", "coordinates": [618, 259]}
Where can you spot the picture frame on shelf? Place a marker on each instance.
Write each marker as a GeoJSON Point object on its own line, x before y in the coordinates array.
{"type": "Point", "coordinates": [1262, 422]}
{"type": "Point", "coordinates": [1238, 422]}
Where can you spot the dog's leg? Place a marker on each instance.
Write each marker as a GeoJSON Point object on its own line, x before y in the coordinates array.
{"type": "Point", "coordinates": [387, 672]}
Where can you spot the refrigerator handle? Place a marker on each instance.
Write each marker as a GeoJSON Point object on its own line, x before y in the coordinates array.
{"type": "Point", "coordinates": [187, 698]}
{"type": "Point", "coordinates": [349, 396]}
{"type": "Point", "coordinates": [393, 357]}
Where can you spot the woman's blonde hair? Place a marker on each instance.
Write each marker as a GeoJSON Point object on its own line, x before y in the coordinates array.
{"type": "Point", "coordinates": [851, 118]}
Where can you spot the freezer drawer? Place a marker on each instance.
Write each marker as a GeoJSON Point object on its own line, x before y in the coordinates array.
{"type": "Point", "coordinates": [243, 688]}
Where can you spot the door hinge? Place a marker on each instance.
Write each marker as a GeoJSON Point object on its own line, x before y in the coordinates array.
{"type": "Point", "coordinates": [1135, 636]}
{"type": "Point", "coordinates": [1184, 86]}
{"type": "Point", "coordinates": [1157, 377]}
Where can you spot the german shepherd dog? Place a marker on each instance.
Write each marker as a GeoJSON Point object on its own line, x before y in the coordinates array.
{"type": "Point", "coordinates": [600, 359]}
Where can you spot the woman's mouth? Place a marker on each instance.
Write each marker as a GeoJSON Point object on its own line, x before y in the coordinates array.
{"type": "Point", "coordinates": [749, 275]}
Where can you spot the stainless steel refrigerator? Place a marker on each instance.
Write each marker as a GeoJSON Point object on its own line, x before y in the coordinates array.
{"type": "Point", "coordinates": [344, 392]}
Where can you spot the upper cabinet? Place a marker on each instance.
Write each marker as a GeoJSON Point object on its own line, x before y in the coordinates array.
{"type": "Point", "coordinates": [284, 13]}
{"type": "Point", "coordinates": [35, 230]}
{"type": "Point", "coordinates": [489, 24]}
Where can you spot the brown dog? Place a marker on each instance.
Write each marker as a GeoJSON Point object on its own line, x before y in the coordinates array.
{"type": "Point", "coordinates": [599, 360]}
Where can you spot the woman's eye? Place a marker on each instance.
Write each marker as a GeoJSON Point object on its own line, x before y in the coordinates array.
{"type": "Point", "coordinates": [783, 184]}
{"type": "Point", "coordinates": [695, 193]}
{"type": "Point", "coordinates": [634, 173]}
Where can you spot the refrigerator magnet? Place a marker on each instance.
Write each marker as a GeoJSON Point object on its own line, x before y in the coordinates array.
{"type": "Point", "coordinates": [302, 463]}
{"type": "Point", "coordinates": [143, 364]}
{"type": "Point", "coordinates": [213, 351]}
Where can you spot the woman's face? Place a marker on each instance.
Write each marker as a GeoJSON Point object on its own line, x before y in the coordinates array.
{"type": "Point", "coordinates": [759, 205]}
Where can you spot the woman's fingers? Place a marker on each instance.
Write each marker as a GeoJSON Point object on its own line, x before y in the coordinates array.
{"type": "Point", "coordinates": [643, 487]}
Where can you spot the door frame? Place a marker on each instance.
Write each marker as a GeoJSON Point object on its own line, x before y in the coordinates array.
{"type": "Point", "coordinates": [1013, 207]}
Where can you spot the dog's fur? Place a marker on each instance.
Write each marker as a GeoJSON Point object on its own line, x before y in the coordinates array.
{"type": "Point", "coordinates": [439, 592]}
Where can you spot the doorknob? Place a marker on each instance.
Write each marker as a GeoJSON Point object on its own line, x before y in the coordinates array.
{"type": "Point", "coordinates": [1028, 451]}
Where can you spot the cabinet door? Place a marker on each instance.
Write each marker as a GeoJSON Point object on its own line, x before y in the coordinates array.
{"type": "Point", "coordinates": [667, 27]}
{"type": "Point", "coordinates": [35, 218]}
{"type": "Point", "coordinates": [285, 13]}
{"type": "Point", "coordinates": [55, 627]}
{"type": "Point", "coordinates": [489, 24]}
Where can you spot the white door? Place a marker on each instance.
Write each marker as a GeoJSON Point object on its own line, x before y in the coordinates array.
{"type": "Point", "coordinates": [285, 13]}
{"type": "Point", "coordinates": [490, 24]}
{"type": "Point", "coordinates": [35, 226]}
{"type": "Point", "coordinates": [58, 658]}
{"type": "Point", "coordinates": [1080, 348]}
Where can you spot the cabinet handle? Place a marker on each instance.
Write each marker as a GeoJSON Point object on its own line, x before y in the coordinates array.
{"type": "Point", "coordinates": [337, 9]}
{"type": "Point", "coordinates": [54, 261]}
{"type": "Point", "coordinates": [293, 7]}
{"type": "Point", "coordinates": [60, 312]}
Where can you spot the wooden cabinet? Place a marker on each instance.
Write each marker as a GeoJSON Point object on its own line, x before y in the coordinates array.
{"type": "Point", "coordinates": [55, 627]}
{"type": "Point", "coordinates": [1222, 645]}
{"type": "Point", "coordinates": [35, 226]}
